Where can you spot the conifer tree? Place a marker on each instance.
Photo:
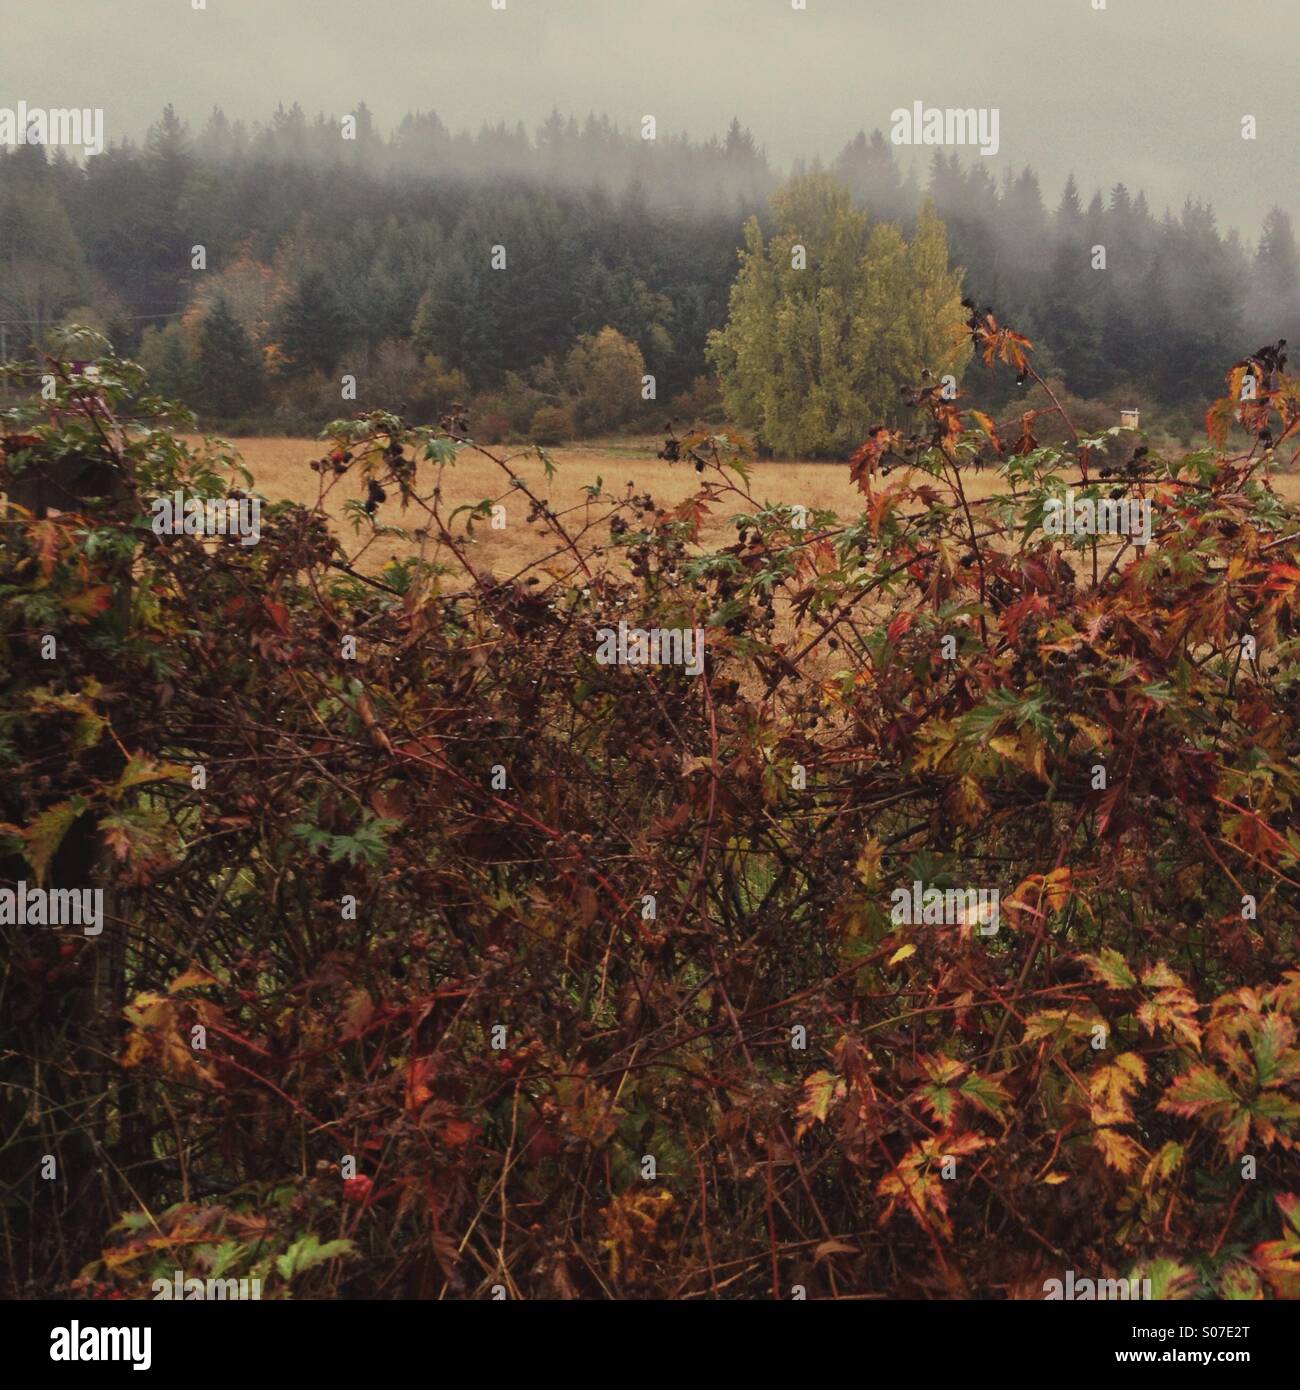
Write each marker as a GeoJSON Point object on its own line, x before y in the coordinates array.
{"type": "Point", "coordinates": [232, 380]}
{"type": "Point", "coordinates": [312, 326]}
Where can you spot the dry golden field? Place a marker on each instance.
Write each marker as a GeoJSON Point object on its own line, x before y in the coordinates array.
{"type": "Point", "coordinates": [281, 470]}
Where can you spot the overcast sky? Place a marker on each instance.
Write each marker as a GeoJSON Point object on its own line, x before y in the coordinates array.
{"type": "Point", "coordinates": [1150, 92]}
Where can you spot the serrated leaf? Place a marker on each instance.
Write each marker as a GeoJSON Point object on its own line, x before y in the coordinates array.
{"type": "Point", "coordinates": [1111, 969]}
{"type": "Point", "coordinates": [985, 1092]}
{"type": "Point", "coordinates": [1159, 976]}
{"type": "Point", "coordinates": [1170, 1281]}
{"type": "Point", "coordinates": [1197, 1090]}
{"type": "Point", "coordinates": [1163, 1164]}
{"type": "Point", "coordinates": [820, 1091]}
{"type": "Point", "coordinates": [1289, 1205]}
{"type": "Point", "coordinates": [308, 1252]}
{"type": "Point", "coordinates": [141, 770]}
{"type": "Point", "coordinates": [1059, 1024]}
{"type": "Point", "coordinates": [1117, 1149]}
{"type": "Point", "coordinates": [45, 834]}
{"type": "Point", "coordinates": [1239, 1283]}
{"type": "Point", "coordinates": [1172, 1011]}
{"type": "Point", "coordinates": [1111, 1085]}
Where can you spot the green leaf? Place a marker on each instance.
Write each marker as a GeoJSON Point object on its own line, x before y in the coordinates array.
{"type": "Point", "coordinates": [1270, 1042]}
{"type": "Point", "coordinates": [365, 845]}
{"type": "Point", "coordinates": [1238, 1283]}
{"type": "Point", "coordinates": [1197, 1090]}
{"type": "Point", "coordinates": [985, 1092]}
{"type": "Point", "coordinates": [308, 1252]}
{"type": "Point", "coordinates": [440, 451]}
{"type": "Point", "coordinates": [941, 1101]}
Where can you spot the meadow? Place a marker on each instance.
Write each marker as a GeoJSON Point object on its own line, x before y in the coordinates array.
{"type": "Point", "coordinates": [281, 468]}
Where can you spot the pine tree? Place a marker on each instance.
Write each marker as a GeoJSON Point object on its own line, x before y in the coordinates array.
{"type": "Point", "coordinates": [459, 319]}
{"type": "Point", "coordinates": [1275, 304]}
{"type": "Point", "coordinates": [167, 363]}
{"type": "Point", "coordinates": [311, 326]}
{"type": "Point", "coordinates": [232, 381]}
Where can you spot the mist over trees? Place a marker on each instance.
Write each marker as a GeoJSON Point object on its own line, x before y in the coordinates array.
{"type": "Point", "coordinates": [374, 256]}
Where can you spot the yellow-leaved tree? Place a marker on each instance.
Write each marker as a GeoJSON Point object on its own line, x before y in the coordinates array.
{"type": "Point", "coordinates": [829, 317]}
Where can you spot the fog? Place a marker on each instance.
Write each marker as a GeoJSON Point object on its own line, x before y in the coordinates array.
{"type": "Point", "coordinates": [1145, 93]}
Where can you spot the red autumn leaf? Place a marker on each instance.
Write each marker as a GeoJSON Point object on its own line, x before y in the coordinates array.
{"type": "Point", "coordinates": [865, 459]}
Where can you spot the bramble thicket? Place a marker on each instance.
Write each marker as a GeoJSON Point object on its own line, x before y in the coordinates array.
{"type": "Point", "coordinates": [439, 956]}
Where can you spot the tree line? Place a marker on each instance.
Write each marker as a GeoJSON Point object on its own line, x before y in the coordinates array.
{"type": "Point", "coordinates": [252, 266]}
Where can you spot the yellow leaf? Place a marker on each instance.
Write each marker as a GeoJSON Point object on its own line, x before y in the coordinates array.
{"type": "Point", "coordinates": [902, 953]}
{"type": "Point", "coordinates": [357, 1012]}
{"type": "Point", "coordinates": [140, 770]}
{"type": "Point", "coordinates": [45, 834]}
{"type": "Point", "coordinates": [868, 865]}
{"type": "Point", "coordinates": [820, 1091]}
{"type": "Point", "coordinates": [190, 979]}
{"type": "Point", "coordinates": [1118, 1150]}
{"type": "Point", "coordinates": [968, 804]}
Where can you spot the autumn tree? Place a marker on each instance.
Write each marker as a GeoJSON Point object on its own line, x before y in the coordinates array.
{"type": "Point", "coordinates": [603, 372]}
{"type": "Point", "coordinates": [831, 316]}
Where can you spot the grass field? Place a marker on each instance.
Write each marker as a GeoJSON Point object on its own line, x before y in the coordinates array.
{"type": "Point", "coordinates": [281, 469]}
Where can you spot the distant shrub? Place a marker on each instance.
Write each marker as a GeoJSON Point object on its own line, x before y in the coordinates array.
{"type": "Point", "coordinates": [552, 424]}
{"type": "Point", "coordinates": [518, 402]}
{"type": "Point", "coordinates": [701, 404]}
{"type": "Point", "coordinates": [491, 427]}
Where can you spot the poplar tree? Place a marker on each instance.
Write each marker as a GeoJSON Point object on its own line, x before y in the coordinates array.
{"type": "Point", "coordinates": [810, 359]}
